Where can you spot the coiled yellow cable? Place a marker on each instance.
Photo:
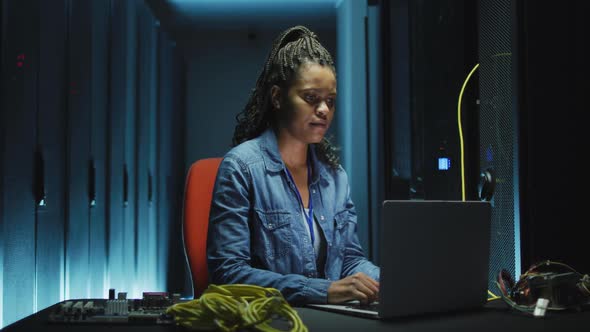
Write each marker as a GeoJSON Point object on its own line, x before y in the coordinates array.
{"type": "Point", "coordinates": [234, 307]}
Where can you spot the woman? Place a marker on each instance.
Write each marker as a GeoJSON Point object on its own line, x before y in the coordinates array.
{"type": "Point", "coordinates": [281, 214]}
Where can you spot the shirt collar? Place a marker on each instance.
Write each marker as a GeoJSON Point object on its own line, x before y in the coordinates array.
{"type": "Point", "coordinates": [272, 157]}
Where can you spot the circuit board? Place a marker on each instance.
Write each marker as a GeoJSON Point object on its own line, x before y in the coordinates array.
{"type": "Point", "coordinates": [150, 310]}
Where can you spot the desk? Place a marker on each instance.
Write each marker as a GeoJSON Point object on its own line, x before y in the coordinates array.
{"type": "Point", "coordinates": [494, 317]}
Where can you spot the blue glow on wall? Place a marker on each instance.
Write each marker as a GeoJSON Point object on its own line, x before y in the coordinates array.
{"type": "Point", "coordinates": [237, 13]}
{"type": "Point", "coordinates": [351, 114]}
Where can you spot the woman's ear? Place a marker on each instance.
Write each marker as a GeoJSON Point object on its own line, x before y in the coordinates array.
{"type": "Point", "coordinates": [275, 94]}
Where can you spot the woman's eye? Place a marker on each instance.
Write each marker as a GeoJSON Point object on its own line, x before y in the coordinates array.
{"type": "Point", "coordinates": [310, 98]}
{"type": "Point", "coordinates": [330, 102]}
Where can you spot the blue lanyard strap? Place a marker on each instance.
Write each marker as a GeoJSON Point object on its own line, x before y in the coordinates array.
{"type": "Point", "coordinates": [308, 216]}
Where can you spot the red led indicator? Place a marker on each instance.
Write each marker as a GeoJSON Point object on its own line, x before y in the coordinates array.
{"type": "Point", "coordinates": [20, 60]}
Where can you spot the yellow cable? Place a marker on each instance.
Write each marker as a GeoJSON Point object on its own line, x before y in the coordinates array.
{"type": "Point", "coordinates": [236, 307]}
{"type": "Point", "coordinates": [493, 296]}
{"type": "Point", "coordinates": [461, 131]}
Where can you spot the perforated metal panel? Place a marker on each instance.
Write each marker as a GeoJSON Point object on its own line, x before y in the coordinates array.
{"type": "Point", "coordinates": [498, 125]}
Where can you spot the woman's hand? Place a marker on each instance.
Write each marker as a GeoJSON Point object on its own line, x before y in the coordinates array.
{"type": "Point", "coordinates": [358, 286]}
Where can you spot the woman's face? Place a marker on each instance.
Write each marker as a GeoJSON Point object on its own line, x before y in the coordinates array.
{"type": "Point", "coordinates": [306, 111]}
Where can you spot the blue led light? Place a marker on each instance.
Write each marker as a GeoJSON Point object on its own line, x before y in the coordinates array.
{"type": "Point", "coordinates": [444, 164]}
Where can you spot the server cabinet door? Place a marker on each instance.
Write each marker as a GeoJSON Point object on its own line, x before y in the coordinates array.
{"type": "Point", "coordinates": [164, 115]}
{"type": "Point", "coordinates": [97, 194]}
{"type": "Point", "coordinates": [147, 134]}
{"type": "Point", "coordinates": [78, 227]}
{"type": "Point", "coordinates": [116, 151]}
{"type": "Point", "coordinates": [130, 156]}
{"type": "Point", "coordinates": [170, 167]}
{"type": "Point", "coordinates": [122, 145]}
{"type": "Point", "coordinates": [53, 99]}
{"type": "Point", "coordinates": [19, 107]}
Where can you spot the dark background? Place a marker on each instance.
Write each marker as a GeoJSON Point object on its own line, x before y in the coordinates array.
{"type": "Point", "coordinates": [554, 109]}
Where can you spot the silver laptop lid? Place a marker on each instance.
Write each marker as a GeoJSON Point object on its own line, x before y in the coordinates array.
{"type": "Point", "coordinates": [434, 256]}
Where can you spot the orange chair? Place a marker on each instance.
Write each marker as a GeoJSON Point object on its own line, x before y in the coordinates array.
{"type": "Point", "coordinates": [197, 204]}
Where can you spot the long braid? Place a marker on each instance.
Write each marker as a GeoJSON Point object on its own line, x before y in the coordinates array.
{"type": "Point", "coordinates": [293, 47]}
{"type": "Point", "coordinates": [251, 122]}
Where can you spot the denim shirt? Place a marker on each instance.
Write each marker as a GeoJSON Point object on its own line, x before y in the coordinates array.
{"type": "Point", "coordinates": [255, 231]}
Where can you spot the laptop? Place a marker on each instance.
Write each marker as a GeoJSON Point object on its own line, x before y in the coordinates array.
{"type": "Point", "coordinates": [434, 259]}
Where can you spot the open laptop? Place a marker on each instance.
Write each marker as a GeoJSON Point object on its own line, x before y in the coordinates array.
{"type": "Point", "coordinates": [434, 258]}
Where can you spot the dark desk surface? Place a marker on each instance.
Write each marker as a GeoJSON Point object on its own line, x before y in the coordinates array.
{"type": "Point", "coordinates": [496, 317]}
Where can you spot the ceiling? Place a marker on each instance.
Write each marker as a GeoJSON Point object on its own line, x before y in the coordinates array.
{"type": "Point", "coordinates": [231, 14]}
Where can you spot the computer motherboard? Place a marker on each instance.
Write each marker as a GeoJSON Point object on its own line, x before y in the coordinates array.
{"type": "Point", "coordinates": [151, 309]}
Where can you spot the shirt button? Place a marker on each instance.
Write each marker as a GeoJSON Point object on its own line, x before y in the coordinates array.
{"type": "Point", "coordinates": [322, 218]}
{"type": "Point", "coordinates": [313, 191]}
{"type": "Point", "coordinates": [270, 225]}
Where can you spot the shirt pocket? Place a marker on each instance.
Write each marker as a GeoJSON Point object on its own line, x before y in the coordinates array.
{"type": "Point", "coordinates": [342, 221]}
{"type": "Point", "coordinates": [274, 234]}
{"type": "Point", "coordinates": [344, 228]}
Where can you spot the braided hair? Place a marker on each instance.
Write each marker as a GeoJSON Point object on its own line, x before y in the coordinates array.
{"type": "Point", "coordinates": [292, 48]}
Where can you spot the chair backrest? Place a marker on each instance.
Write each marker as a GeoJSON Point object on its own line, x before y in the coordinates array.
{"type": "Point", "coordinates": [197, 204]}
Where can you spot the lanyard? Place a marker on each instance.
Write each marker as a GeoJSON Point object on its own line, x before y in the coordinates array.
{"type": "Point", "coordinates": [308, 216]}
